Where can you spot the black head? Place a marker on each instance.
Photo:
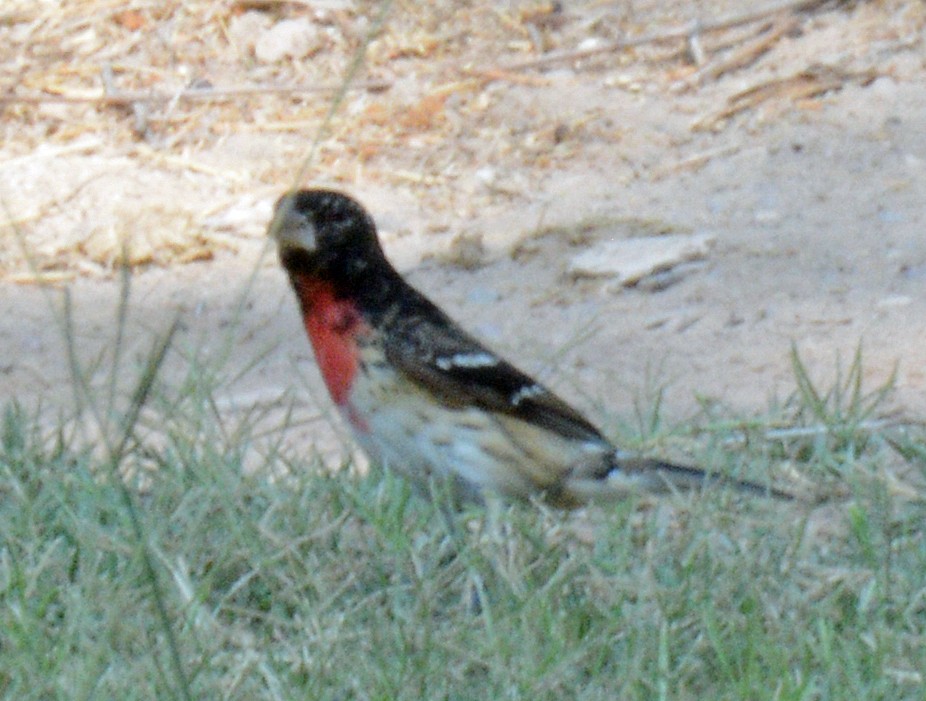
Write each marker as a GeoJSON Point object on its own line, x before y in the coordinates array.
{"type": "Point", "coordinates": [323, 232]}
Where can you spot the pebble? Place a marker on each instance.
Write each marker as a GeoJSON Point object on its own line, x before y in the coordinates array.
{"type": "Point", "coordinates": [631, 260]}
{"type": "Point", "coordinates": [289, 38]}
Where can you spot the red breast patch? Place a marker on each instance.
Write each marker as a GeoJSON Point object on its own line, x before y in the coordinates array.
{"type": "Point", "coordinates": [333, 326]}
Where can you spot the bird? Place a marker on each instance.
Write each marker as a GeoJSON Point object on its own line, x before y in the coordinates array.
{"type": "Point", "coordinates": [425, 398]}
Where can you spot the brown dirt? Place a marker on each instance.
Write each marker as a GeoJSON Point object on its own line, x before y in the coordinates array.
{"type": "Point", "coordinates": [815, 195]}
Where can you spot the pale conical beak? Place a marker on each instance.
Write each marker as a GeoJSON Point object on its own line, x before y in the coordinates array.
{"type": "Point", "coordinates": [290, 228]}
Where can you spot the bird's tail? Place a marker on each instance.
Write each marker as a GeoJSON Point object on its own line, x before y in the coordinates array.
{"type": "Point", "coordinates": [635, 474]}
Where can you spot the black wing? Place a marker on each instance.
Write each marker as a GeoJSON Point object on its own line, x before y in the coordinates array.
{"type": "Point", "coordinates": [431, 349]}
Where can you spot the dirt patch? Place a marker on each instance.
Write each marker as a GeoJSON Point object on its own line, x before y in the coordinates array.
{"type": "Point", "coordinates": [798, 143]}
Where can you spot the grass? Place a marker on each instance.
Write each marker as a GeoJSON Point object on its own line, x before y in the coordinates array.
{"type": "Point", "coordinates": [159, 567]}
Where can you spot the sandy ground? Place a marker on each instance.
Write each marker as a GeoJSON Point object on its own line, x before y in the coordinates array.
{"type": "Point", "coordinates": [816, 203]}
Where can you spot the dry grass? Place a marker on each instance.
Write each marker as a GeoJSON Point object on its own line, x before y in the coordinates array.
{"type": "Point", "coordinates": [173, 110]}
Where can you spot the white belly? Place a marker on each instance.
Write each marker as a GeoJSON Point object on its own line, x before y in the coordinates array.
{"type": "Point", "coordinates": [412, 434]}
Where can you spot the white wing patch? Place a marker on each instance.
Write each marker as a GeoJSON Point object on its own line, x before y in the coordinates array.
{"type": "Point", "coordinates": [466, 360]}
{"type": "Point", "coordinates": [526, 392]}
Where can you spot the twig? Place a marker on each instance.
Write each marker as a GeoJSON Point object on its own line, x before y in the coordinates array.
{"type": "Point", "coordinates": [806, 84]}
{"type": "Point", "coordinates": [813, 431]}
{"type": "Point", "coordinates": [193, 94]}
{"type": "Point", "coordinates": [145, 151]}
{"type": "Point", "coordinates": [695, 161]}
{"type": "Point", "coordinates": [700, 28]}
{"type": "Point", "coordinates": [795, 432]}
{"type": "Point", "coordinates": [502, 75]}
{"type": "Point", "coordinates": [746, 54]}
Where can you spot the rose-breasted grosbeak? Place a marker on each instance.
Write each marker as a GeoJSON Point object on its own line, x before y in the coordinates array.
{"type": "Point", "coordinates": [425, 398]}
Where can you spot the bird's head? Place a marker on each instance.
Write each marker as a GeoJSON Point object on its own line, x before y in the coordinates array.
{"type": "Point", "coordinates": [323, 232]}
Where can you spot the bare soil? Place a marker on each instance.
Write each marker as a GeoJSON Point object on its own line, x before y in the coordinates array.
{"type": "Point", "coordinates": [486, 178]}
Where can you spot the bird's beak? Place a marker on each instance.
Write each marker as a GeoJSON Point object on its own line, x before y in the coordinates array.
{"type": "Point", "coordinates": [292, 229]}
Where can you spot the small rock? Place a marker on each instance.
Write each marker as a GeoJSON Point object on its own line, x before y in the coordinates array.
{"type": "Point", "coordinates": [486, 175]}
{"type": "Point", "coordinates": [895, 301]}
{"type": "Point", "coordinates": [630, 260]}
{"type": "Point", "coordinates": [767, 216]}
{"type": "Point", "coordinates": [466, 251]}
{"type": "Point", "coordinates": [289, 38]}
{"type": "Point", "coordinates": [244, 29]}
{"type": "Point", "coordinates": [591, 44]}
